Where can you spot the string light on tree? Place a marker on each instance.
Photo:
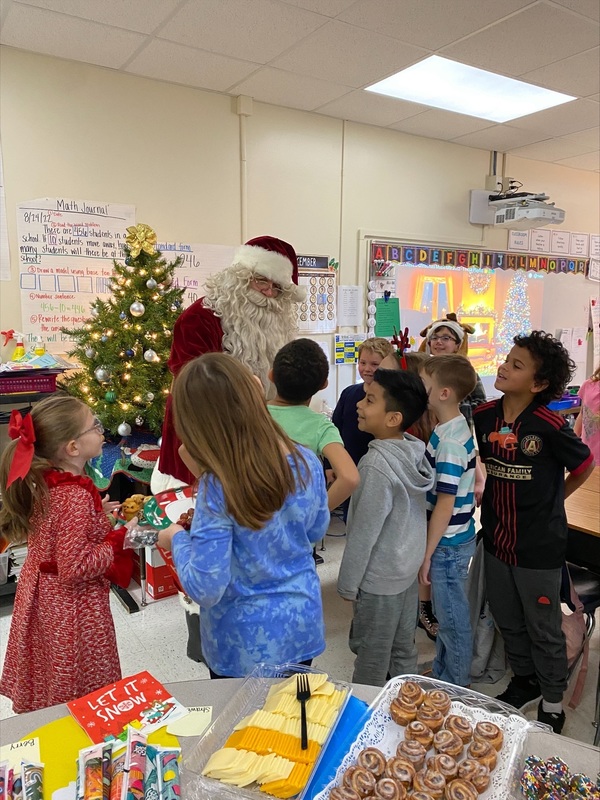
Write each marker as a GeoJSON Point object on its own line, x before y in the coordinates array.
{"type": "Point", "coordinates": [516, 315]}
{"type": "Point", "coordinates": [124, 361]}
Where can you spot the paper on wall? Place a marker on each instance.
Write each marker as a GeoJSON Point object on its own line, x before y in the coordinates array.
{"type": "Point", "coordinates": [66, 252]}
{"type": "Point", "coordinates": [350, 305]}
{"type": "Point", "coordinates": [4, 249]}
{"type": "Point", "coordinates": [200, 261]}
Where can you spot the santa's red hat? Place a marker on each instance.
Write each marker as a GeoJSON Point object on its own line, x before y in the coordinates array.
{"type": "Point", "coordinates": [273, 259]}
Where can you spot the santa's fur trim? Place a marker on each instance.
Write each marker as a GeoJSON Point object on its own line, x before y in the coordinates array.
{"type": "Point", "coordinates": [271, 265]}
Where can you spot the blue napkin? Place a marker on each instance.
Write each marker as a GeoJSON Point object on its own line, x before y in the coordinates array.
{"type": "Point", "coordinates": [352, 721]}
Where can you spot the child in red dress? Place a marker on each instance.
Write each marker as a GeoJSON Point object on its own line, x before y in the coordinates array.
{"type": "Point", "coordinates": [62, 641]}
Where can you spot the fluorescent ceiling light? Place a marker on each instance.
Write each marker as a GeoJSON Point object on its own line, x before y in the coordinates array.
{"type": "Point", "coordinates": [446, 84]}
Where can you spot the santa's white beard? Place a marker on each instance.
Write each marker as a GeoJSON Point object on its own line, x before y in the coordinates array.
{"type": "Point", "coordinates": [255, 327]}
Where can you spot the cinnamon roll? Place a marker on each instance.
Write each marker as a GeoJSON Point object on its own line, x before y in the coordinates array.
{"type": "Point", "coordinates": [401, 770]}
{"type": "Point", "coordinates": [431, 781]}
{"type": "Point", "coordinates": [421, 796]}
{"type": "Point", "coordinates": [420, 732]}
{"type": "Point", "coordinates": [412, 692]}
{"type": "Point", "coordinates": [460, 790]}
{"type": "Point", "coordinates": [401, 711]}
{"type": "Point", "coordinates": [476, 773]}
{"type": "Point", "coordinates": [445, 741]}
{"type": "Point", "coordinates": [389, 789]}
{"type": "Point", "coordinates": [460, 726]}
{"type": "Point", "coordinates": [445, 764]}
{"type": "Point", "coordinates": [490, 733]}
{"type": "Point", "coordinates": [372, 759]}
{"type": "Point", "coordinates": [439, 699]}
{"type": "Point", "coordinates": [359, 780]}
{"type": "Point", "coordinates": [432, 717]}
{"type": "Point", "coordinates": [412, 751]}
{"type": "Point", "coordinates": [484, 752]}
{"type": "Point", "coordinates": [343, 793]}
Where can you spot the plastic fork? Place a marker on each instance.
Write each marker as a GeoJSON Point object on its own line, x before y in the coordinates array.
{"type": "Point", "coordinates": [302, 695]}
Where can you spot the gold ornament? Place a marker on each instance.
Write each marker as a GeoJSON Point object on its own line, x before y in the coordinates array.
{"type": "Point", "coordinates": [141, 237]}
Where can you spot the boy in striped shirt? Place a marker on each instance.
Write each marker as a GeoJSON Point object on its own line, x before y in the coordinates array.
{"type": "Point", "coordinates": [450, 507]}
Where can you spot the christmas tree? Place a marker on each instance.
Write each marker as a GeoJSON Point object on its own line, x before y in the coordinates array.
{"type": "Point", "coordinates": [516, 313]}
{"type": "Point", "coordinates": [124, 346]}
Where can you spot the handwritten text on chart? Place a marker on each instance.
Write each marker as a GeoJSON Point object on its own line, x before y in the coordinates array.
{"type": "Point", "coordinates": [66, 254]}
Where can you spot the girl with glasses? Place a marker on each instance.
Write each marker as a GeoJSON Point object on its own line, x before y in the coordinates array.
{"type": "Point", "coordinates": [62, 642]}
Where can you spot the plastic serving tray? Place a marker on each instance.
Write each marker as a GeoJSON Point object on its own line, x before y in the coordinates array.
{"type": "Point", "coordinates": [248, 698]}
{"type": "Point", "coordinates": [382, 732]}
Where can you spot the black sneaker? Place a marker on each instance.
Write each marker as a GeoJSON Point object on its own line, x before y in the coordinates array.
{"type": "Point", "coordinates": [520, 691]}
{"type": "Point", "coordinates": [556, 721]}
{"type": "Point", "coordinates": [427, 620]}
{"type": "Point", "coordinates": [318, 559]}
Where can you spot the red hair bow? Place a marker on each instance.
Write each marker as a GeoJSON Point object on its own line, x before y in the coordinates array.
{"type": "Point", "coordinates": [21, 428]}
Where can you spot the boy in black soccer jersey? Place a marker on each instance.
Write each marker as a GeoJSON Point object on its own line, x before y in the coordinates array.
{"type": "Point", "coordinates": [526, 449]}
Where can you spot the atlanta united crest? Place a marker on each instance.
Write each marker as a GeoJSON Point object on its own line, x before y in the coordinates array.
{"type": "Point", "coordinates": [531, 445]}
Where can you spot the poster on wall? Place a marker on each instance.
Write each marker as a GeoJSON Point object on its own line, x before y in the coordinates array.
{"type": "Point", "coordinates": [346, 347]}
{"type": "Point", "coordinates": [317, 314]}
{"type": "Point", "coordinates": [4, 251]}
{"type": "Point", "coordinates": [66, 252]}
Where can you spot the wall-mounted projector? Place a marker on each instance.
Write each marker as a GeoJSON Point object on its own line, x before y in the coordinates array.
{"type": "Point", "coordinates": [524, 210]}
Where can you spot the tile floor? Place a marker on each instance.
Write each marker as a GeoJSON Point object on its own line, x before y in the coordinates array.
{"type": "Point", "coordinates": [155, 639]}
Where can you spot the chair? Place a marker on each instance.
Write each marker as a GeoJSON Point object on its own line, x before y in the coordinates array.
{"type": "Point", "coordinates": [587, 586]}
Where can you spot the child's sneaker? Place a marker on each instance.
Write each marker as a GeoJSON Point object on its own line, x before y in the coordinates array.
{"type": "Point", "coordinates": [521, 690]}
{"type": "Point", "coordinates": [556, 721]}
{"type": "Point", "coordinates": [427, 619]}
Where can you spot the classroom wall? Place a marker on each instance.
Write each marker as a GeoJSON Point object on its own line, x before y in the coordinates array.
{"type": "Point", "coordinates": [75, 130]}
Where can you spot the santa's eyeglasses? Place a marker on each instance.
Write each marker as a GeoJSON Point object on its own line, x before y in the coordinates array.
{"type": "Point", "coordinates": [262, 284]}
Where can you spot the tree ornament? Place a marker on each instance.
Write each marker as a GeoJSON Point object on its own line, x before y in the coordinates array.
{"type": "Point", "coordinates": [128, 263]}
{"type": "Point", "coordinates": [110, 396]}
{"type": "Point", "coordinates": [124, 429]}
{"type": "Point", "coordinates": [102, 375]}
{"type": "Point", "coordinates": [94, 312]}
{"type": "Point", "coordinates": [130, 353]}
{"type": "Point", "coordinates": [139, 420]}
{"type": "Point", "coordinates": [149, 397]}
{"type": "Point", "coordinates": [122, 315]}
{"type": "Point", "coordinates": [159, 441]}
{"type": "Point", "coordinates": [137, 309]}
{"type": "Point", "coordinates": [150, 356]}
{"type": "Point", "coordinates": [151, 283]}
{"type": "Point", "coordinates": [104, 338]}
{"type": "Point", "coordinates": [147, 335]}
{"type": "Point", "coordinates": [141, 237]}
{"type": "Point", "coordinates": [90, 352]}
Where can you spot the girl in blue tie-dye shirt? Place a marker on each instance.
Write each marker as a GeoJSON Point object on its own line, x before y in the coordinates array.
{"type": "Point", "coordinates": [261, 505]}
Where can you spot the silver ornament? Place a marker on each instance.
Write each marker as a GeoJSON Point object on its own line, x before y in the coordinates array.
{"type": "Point", "coordinates": [90, 352]}
{"type": "Point", "coordinates": [124, 429]}
{"type": "Point", "coordinates": [137, 309]}
{"type": "Point", "coordinates": [150, 356]}
{"type": "Point", "coordinates": [94, 312]}
{"type": "Point", "coordinates": [159, 441]}
{"type": "Point", "coordinates": [151, 283]}
{"type": "Point", "coordinates": [102, 375]}
{"type": "Point", "coordinates": [149, 397]}
{"type": "Point", "coordinates": [139, 420]}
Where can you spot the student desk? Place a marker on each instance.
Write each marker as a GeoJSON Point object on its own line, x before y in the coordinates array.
{"type": "Point", "coordinates": [583, 517]}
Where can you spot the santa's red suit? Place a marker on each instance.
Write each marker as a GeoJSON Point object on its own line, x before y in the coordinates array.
{"type": "Point", "coordinates": [197, 331]}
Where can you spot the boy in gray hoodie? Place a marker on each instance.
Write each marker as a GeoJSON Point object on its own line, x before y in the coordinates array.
{"type": "Point", "coordinates": [387, 530]}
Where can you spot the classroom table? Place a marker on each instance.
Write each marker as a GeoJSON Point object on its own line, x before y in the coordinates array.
{"type": "Point", "coordinates": [583, 518]}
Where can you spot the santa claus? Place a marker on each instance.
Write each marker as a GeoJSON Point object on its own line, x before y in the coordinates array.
{"type": "Point", "coordinates": [248, 311]}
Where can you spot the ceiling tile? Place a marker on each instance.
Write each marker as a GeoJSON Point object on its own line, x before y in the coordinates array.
{"type": "Point", "coordinates": [590, 161]}
{"type": "Point", "coordinates": [500, 137]}
{"type": "Point", "coordinates": [53, 34]}
{"type": "Point", "coordinates": [134, 15]}
{"type": "Point", "coordinates": [179, 64]}
{"type": "Point", "coordinates": [550, 150]}
{"type": "Point", "coordinates": [578, 115]}
{"type": "Point", "coordinates": [256, 31]}
{"type": "Point", "coordinates": [347, 55]}
{"type": "Point", "coordinates": [589, 139]}
{"type": "Point", "coordinates": [370, 108]}
{"type": "Point", "coordinates": [282, 88]}
{"type": "Point", "coordinates": [560, 34]}
{"type": "Point", "coordinates": [438, 124]}
{"type": "Point", "coordinates": [425, 23]}
{"type": "Point", "coordinates": [589, 8]}
{"type": "Point", "coordinates": [329, 8]}
{"type": "Point", "coordinates": [577, 75]}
